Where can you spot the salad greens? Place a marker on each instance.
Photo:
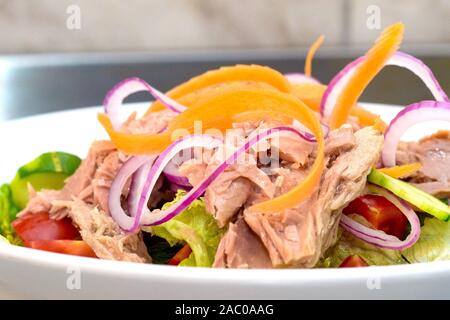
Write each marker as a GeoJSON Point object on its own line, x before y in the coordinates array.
{"type": "Point", "coordinates": [194, 226]}
{"type": "Point", "coordinates": [48, 171]}
{"type": "Point", "coordinates": [348, 245]}
{"type": "Point", "coordinates": [433, 244]}
{"type": "Point", "coordinates": [159, 249]}
{"type": "Point", "coordinates": [8, 212]}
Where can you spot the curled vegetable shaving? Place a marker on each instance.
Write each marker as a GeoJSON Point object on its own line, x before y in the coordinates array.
{"type": "Point", "coordinates": [401, 171]}
{"type": "Point", "coordinates": [385, 46]}
{"type": "Point", "coordinates": [311, 94]}
{"type": "Point", "coordinates": [258, 102]}
{"type": "Point", "coordinates": [248, 73]}
{"type": "Point", "coordinates": [312, 51]}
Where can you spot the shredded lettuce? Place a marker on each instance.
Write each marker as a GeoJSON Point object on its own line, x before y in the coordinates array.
{"type": "Point", "coordinates": [194, 226]}
{"type": "Point", "coordinates": [350, 245]}
{"type": "Point", "coordinates": [433, 244]}
{"type": "Point", "coordinates": [8, 212]}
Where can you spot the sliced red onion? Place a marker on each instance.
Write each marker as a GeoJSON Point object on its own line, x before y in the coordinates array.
{"type": "Point", "coordinates": [399, 59]}
{"type": "Point", "coordinates": [421, 70]}
{"type": "Point", "coordinates": [171, 170]}
{"type": "Point", "coordinates": [114, 98]}
{"type": "Point", "coordinates": [147, 218]}
{"type": "Point", "coordinates": [177, 179]}
{"type": "Point", "coordinates": [158, 217]}
{"type": "Point", "coordinates": [131, 224]}
{"type": "Point", "coordinates": [378, 237]}
{"type": "Point", "coordinates": [130, 167]}
{"type": "Point", "coordinates": [137, 183]}
{"type": "Point", "coordinates": [300, 78]}
{"type": "Point", "coordinates": [413, 114]}
{"type": "Point", "coordinates": [307, 135]}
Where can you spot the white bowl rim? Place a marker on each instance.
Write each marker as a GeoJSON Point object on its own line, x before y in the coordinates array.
{"type": "Point", "coordinates": [188, 274]}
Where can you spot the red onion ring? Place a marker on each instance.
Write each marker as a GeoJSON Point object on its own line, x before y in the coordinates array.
{"type": "Point", "coordinates": [413, 114]}
{"type": "Point", "coordinates": [130, 167]}
{"type": "Point", "coordinates": [137, 183]}
{"type": "Point", "coordinates": [131, 224]}
{"type": "Point", "coordinates": [179, 180]}
{"type": "Point", "coordinates": [399, 59]}
{"type": "Point", "coordinates": [299, 78]}
{"type": "Point", "coordinates": [378, 237]}
{"type": "Point", "coordinates": [114, 98]}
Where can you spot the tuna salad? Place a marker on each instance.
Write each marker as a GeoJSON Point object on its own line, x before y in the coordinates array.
{"type": "Point", "coordinates": [246, 167]}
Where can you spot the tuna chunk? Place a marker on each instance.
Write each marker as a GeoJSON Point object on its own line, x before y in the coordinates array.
{"type": "Point", "coordinates": [241, 248]}
{"type": "Point", "coordinates": [231, 189]}
{"type": "Point", "coordinates": [340, 140]}
{"type": "Point", "coordinates": [104, 236]}
{"type": "Point", "coordinates": [80, 183]}
{"type": "Point", "coordinates": [154, 122]}
{"type": "Point", "coordinates": [194, 170]}
{"type": "Point", "coordinates": [226, 195]}
{"type": "Point", "coordinates": [291, 148]}
{"type": "Point", "coordinates": [434, 154]}
{"type": "Point", "coordinates": [298, 236]}
{"type": "Point", "coordinates": [103, 178]}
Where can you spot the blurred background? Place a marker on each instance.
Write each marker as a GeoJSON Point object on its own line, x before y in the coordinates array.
{"type": "Point", "coordinates": [59, 54]}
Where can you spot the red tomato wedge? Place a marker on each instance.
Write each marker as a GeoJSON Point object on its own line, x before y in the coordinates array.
{"type": "Point", "coordinates": [353, 262]}
{"type": "Point", "coordinates": [39, 226]}
{"type": "Point", "coordinates": [72, 247]}
{"type": "Point", "coordinates": [180, 255]}
{"type": "Point", "coordinates": [380, 213]}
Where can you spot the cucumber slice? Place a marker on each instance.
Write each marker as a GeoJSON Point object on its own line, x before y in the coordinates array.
{"type": "Point", "coordinates": [422, 200]}
{"type": "Point", "coordinates": [48, 171]}
{"type": "Point", "coordinates": [57, 162]}
{"type": "Point", "coordinates": [8, 212]}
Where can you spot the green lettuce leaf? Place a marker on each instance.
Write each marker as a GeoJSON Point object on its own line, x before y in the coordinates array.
{"type": "Point", "coordinates": [433, 244]}
{"type": "Point", "coordinates": [8, 212]}
{"type": "Point", "coordinates": [350, 245]}
{"type": "Point", "coordinates": [194, 226]}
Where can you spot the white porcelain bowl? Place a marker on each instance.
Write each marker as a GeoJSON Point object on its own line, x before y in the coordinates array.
{"type": "Point", "coordinates": [28, 273]}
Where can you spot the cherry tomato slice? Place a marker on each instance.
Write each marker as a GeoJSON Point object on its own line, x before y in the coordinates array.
{"type": "Point", "coordinates": [72, 247]}
{"type": "Point", "coordinates": [380, 213]}
{"type": "Point", "coordinates": [39, 226]}
{"type": "Point", "coordinates": [180, 255]}
{"type": "Point", "coordinates": [353, 262]}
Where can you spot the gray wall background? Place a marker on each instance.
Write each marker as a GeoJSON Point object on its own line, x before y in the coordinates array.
{"type": "Point", "coordinates": [35, 26]}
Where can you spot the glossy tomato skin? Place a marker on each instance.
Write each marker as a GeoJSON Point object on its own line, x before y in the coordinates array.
{"type": "Point", "coordinates": [72, 247]}
{"type": "Point", "coordinates": [182, 254]}
{"type": "Point", "coordinates": [380, 213]}
{"type": "Point", "coordinates": [353, 262]}
{"type": "Point", "coordinates": [39, 226]}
